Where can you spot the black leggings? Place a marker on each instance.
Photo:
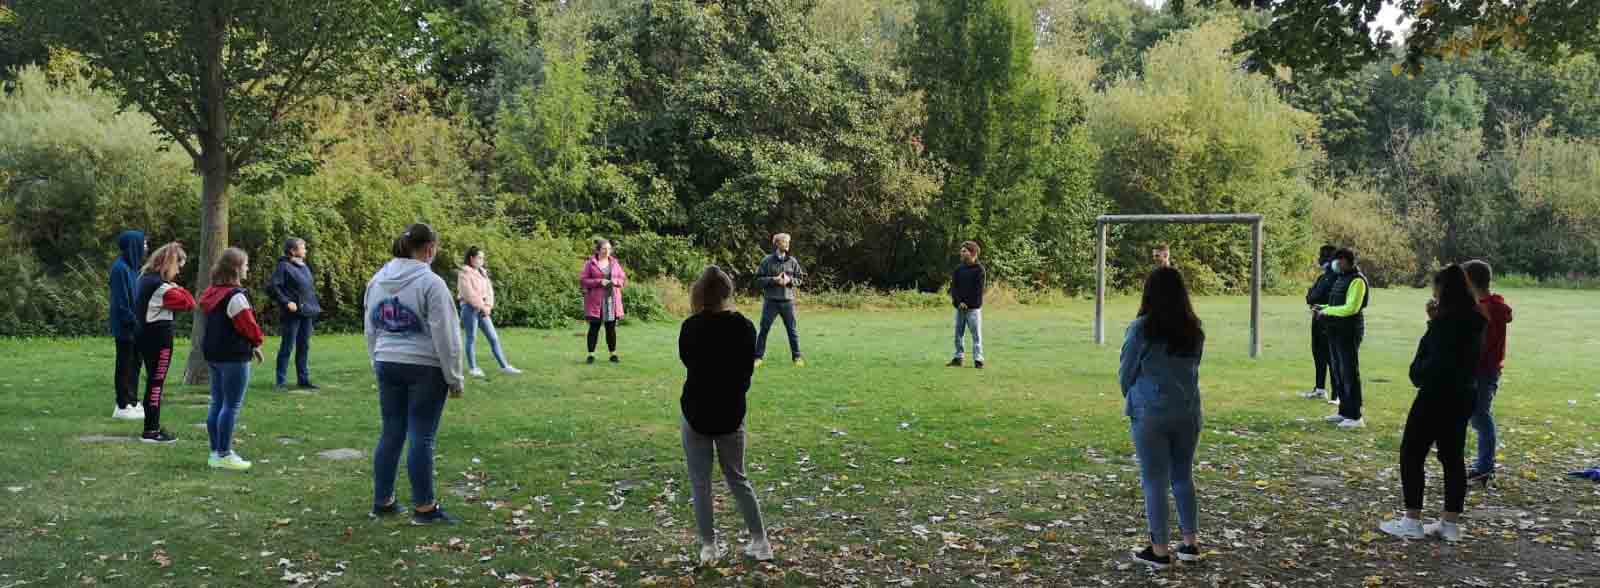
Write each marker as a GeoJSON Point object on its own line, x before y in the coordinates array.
{"type": "Point", "coordinates": [1321, 354]}
{"type": "Point", "coordinates": [611, 334]}
{"type": "Point", "coordinates": [1426, 427]}
{"type": "Point", "coordinates": [155, 347]}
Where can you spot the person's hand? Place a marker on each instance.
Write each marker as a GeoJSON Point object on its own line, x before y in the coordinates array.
{"type": "Point", "coordinates": [256, 353]}
{"type": "Point", "coordinates": [455, 391]}
{"type": "Point", "coordinates": [294, 307]}
{"type": "Point", "coordinates": [605, 283]}
{"type": "Point", "coordinates": [1316, 312]}
{"type": "Point", "coordinates": [963, 306]}
{"type": "Point", "coordinates": [1432, 308]}
{"type": "Point", "coordinates": [484, 313]}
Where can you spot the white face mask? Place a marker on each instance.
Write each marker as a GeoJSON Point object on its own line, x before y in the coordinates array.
{"type": "Point", "coordinates": [1337, 267]}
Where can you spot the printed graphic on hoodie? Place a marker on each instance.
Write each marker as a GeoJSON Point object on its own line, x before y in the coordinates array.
{"type": "Point", "coordinates": [393, 316]}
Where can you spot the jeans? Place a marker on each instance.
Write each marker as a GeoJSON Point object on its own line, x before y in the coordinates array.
{"type": "Point", "coordinates": [471, 322]}
{"type": "Point", "coordinates": [698, 451]}
{"type": "Point", "coordinates": [970, 318]}
{"type": "Point", "coordinates": [296, 338]}
{"type": "Point", "coordinates": [1322, 355]}
{"type": "Point", "coordinates": [1426, 427]}
{"type": "Point", "coordinates": [771, 310]}
{"type": "Point", "coordinates": [228, 382]}
{"type": "Point", "coordinates": [126, 379]}
{"type": "Point", "coordinates": [1166, 458]}
{"type": "Point", "coordinates": [1487, 386]}
{"type": "Point", "coordinates": [411, 400]}
{"type": "Point", "coordinates": [1344, 338]}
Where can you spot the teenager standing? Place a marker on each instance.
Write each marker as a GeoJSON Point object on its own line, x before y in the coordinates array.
{"type": "Point", "coordinates": [296, 294]}
{"type": "Point", "coordinates": [475, 292]}
{"type": "Point", "coordinates": [125, 323]}
{"type": "Point", "coordinates": [602, 280]}
{"type": "Point", "coordinates": [158, 298]}
{"type": "Point", "coordinates": [1345, 319]}
{"type": "Point", "coordinates": [1316, 296]}
{"type": "Point", "coordinates": [232, 338]}
{"type": "Point", "coordinates": [1486, 382]}
{"type": "Point", "coordinates": [966, 294]}
{"type": "Point", "coordinates": [715, 344]}
{"type": "Point", "coordinates": [778, 276]}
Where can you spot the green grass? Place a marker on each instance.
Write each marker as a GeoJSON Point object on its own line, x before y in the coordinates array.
{"type": "Point", "coordinates": [1021, 474]}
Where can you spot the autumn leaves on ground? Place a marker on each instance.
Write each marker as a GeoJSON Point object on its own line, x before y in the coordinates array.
{"type": "Point", "coordinates": [875, 465]}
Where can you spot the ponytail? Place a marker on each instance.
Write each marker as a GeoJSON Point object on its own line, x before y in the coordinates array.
{"type": "Point", "coordinates": [412, 240]}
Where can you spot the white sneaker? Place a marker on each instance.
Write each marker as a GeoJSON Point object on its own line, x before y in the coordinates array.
{"type": "Point", "coordinates": [1444, 530]}
{"type": "Point", "coordinates": [475, 372]}
{"type": "Point", "coordinates": [1314, 394]}
{"type": "Point", "coordinates": [1333, 401]}
{"type": "Point", "coordinates": [709, 554]}
{"type": "Point", "coordinates": [510, 370]}
{"type": "Point", "coordinates": [1334, 418]}
{"type": "Point", "coordinates": [759, 550]}
{"type": "Point", "coordinates": [126, 414]}
{"type": "Point", "coordinates": [1353, 424]}
{"type": "Point", "coordinates": [232, 461]}
{"type": "Point", "coordinates": [1404, 528]}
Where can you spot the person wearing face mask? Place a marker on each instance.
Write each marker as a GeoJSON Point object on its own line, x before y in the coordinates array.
{"type": "Point", "coordinates": [1344, 318]}
{"type": "Point", "coordinates": [1318, 295]}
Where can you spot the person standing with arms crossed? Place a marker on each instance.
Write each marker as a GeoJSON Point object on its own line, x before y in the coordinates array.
{"type": "Point", "coordinates": [966, 294]}
{"type": "Point", "coordinates": [296, 294]}
{"type": "Point", "coordinates": [778, 276]}
{"type": "Point", "coordinates": [1346, 322]}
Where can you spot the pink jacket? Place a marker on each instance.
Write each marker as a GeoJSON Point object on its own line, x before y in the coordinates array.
{"type": "Point", "coordinates": [474, 288]}
{"type": "Point", "coordinates": [594, 294]}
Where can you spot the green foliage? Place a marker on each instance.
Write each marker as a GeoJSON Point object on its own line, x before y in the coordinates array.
{"type": "Point", "coordinates": [72, 301]}
{"type": "Point", "coordinates": [1362, 219]}
{"type": "Point", "coordinates": [650, 255]}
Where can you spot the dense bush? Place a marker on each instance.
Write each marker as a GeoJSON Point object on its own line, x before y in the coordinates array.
{"type": "Point", "coordinates": [1359, 218]}
{"type": "Point", "coordinates": [72, 302]}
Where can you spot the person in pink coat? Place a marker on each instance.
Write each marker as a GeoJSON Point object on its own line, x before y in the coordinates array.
{"type": "Point", "coordinates": [602, 281]}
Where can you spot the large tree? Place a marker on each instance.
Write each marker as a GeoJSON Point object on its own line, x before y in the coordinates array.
{"type": "Point", "coordinates": [224, 79]}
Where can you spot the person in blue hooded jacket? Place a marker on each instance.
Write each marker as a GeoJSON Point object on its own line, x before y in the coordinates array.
{"type": "Point", "coordinates": [124, 321]}
{"type": "Point", "coordinates": [1160, 378]}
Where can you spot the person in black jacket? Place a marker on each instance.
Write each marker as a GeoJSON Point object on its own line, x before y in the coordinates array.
{"type": "Point", "coordinates": [1443, 372]}
{"type": "Point", "coordinates": [1318, 294]}
{"type": "Point", "coordinates": [966, 294]}
{"type": "Point", "coordinates": [715, 345]}
{"type": "Point", "coordinates": [296, 294]}
{"type": "Point", "coordinates": [778, 276]}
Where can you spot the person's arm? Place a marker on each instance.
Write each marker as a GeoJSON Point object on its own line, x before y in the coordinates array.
{"type": "Point", "coordinates": [765, 277]}
{"type": "Point", "coordinates": [620, 278]}
{"type": "Point", "coordinates": [278, 286]}
{"type": "Point", "coordinates": [244, 320]}
{"type": "Point", "coordinates": [798, 276]}
{"type": "Point", "coordinates": [586, 281]}
{"type": "Point", "coordinates": [469, 294]}
{"type": "Point", "coordinates": [746, 347]}
{"type": "Point", "coordinates": [1423, 363]}
{"type": "Point", "coordinates": [685, 342]}
{"type": "Point", "coordinates": [177, 299]}
{"type": "Point", "coordinates": [1351, 305]}
{"type": "Point", "coordinates": [367, 327]}
{"type": "Point", "coordinates": [121, 301]}
{"type": "Point", "coordinates": [443, 322]}
{"type": "Point", "coordinates": [1133, 346]}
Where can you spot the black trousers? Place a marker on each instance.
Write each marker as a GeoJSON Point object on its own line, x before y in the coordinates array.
{"type": "Point", "coordinates": [1428, 427]}
{"type": "Point", "coordinates": [1322, 355]}
{"type": "Point", "coordinates": [127, 376]}
{"type": "Point", "coordinates": [155, 347]}
{"type": "Point", "coordinates": [1344, 340]}
{"type": "Point", "coordinates": [611, 334]}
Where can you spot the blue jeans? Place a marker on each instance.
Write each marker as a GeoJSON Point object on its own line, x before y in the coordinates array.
{"type": "Point", "coordinates": [1166, 458]}
{"type": "Point", "coordinates": [970, 318]}
{"type": "Point", "coordinates": [296, 337]}
{"type": "Point", "coordinates": [411, 400]}
{"type": "Point", "coordinates": [471, 322]}
{"type": "Point", "coordinates": [228, 382]}
{"type": "Point", "coordinates": [771, 310]}
{"type": "Point", "coordinates": [1483, 420]}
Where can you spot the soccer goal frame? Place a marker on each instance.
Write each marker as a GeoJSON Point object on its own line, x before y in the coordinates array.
{"type": "Point", "coordinates": [1102, 227]}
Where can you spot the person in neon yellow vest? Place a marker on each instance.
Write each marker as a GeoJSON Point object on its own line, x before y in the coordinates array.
{"type": "Point", "coordinates": [1345, 321]}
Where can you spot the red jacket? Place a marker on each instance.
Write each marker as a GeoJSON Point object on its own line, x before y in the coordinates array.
{"type": "Point", "coordinates": [1494, 336]}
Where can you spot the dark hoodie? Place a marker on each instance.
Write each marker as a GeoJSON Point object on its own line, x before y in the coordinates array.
{"type": "Point", "coordinates": [124, 279]}
{"type": "Point", "coordinates": [1447, 359]}
{"type": "Point", "coordinates": [1494, 337]}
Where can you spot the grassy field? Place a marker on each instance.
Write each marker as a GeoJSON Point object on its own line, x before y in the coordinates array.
{"type": "Point", "coordinates": [876, 466]}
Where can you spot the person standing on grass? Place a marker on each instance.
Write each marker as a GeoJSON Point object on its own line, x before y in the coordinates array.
{"type": "Point", "coordinates": [415, 346]}
{"type": "Point", "coordinates": [715, 344]}
{"type": "Point", "coordinates": [1344, 318]}
{"type": "Point", "coordinates": [296, 295]}
{"type": "Point", "coordinates": [778, 276]}
{"type": "Point", "coordinates": [1443, 371]}
{"type": "Point", "coordinates": [1316, 296]}
{"type": "Point", "coordinates": [1486, 382]}
{"type": "Point", "coordinates": [158, 298]}
{"type": "Point", "coordinates": [1160, 378]}
{"type": "Point", "coordinates": [476, 295]}
{"type": "Point", "coordinates": [125, 323]}
{"type": "Point", "coordinates": [232, 338]}
{"type": "Point", "coordinates": [602, 280]}
{"type": "Point", "coordinates": [966, 294]}
{"type": "Point", "coordinates": [1161, 256]}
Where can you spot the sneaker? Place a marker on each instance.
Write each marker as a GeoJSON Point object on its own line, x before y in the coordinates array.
{"type": "Point", "coordinates": [1187, 552]}
{"type": "Point", "coordinates": [1334, 418]}
{"type": "Point", "coordinates": [1444, 530]}
{"type": "Point", "coordinates": [978, 364]}
{"type": "Point", "coordinates": [437, 516]}
{"type": "Point", "coordinates": [1477, 475]}
{"type": "Point", "coordinates": [161, 437]}
{"type": "Point", "coordinates": [616, 358]}
{"type": "Point", "coordinates": [759, 550]}
{"type": "Point", "coordinates": [1404, 528]}
{"type": "Point", "coordinates": [137, 410]}
{"type": "Point", "coordinates": [799, 362]}
{"type": "Point", "coordinates": [215, 461]}
{"type": "Point", "coordinates": [1353, 424]}
{"type": "Point", "coordinates": [1314, 394]}
{"type": "Point", "coordinates": [232, 461]}
{"type": "Point", "coordinates": [385, 510]}
{"type": "Point", "coordinates": [475, 372]}
{"type": "Point", "coordinates": [126, 414]}
{"type": "Point", "coordinates": [590, 360]}
{"type": "Point", "coordinates": [1333, 401]}
{"type": "Point", "coordinates": [758, 362]}
{"type": "Point", "coordinates": [510, 370]}
{"type": "Point", "coordinates": [1148, 557]}
{"type": "Point", "coordinates": [709, 554]}
{"type": "Point", "coordinates": [954, 363]}
{"type": "Point", "coordinates": [309, 386]}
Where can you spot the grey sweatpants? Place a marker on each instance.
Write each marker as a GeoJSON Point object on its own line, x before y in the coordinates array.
{"type": "Point", "coordinates": [729, 452]}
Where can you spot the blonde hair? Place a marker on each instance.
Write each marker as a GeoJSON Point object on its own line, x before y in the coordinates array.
{"type": "Point", "coordinates": [713, 292]}
{"type": "Point", "coordinates": [229, 266]}
{"type": "Point", "coordinates": [166, 261]}
{"type": "Point", "coordinates": [780, 237]}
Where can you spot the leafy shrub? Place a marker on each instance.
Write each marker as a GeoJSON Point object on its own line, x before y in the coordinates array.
{"type": "Point", "coordinates": [649, 255]}
{"type": "Point", "coordinates": [35, 304]}
{"type": "Point", "coordinates": [1357, 218]}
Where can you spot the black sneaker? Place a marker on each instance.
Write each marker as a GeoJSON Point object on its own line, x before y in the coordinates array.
{"type": "Point", "coordinates": [309, 386]}
{"type": "Point", "coordinates": [615, 358]}
{"type": "Point", "coordinates": [978, 364]}
{"type": "Point", "coordinates": [437, 516]}
{"type": "Point", "coordinates": [590, 360]}
{"type": "Point", "coordinates": [385, 510]}
{"type": "Point", "coordinates": [954, 363]}
{"type": "Point", "coordinates": [1187, 552]}
{"type": "Point", "coordinates": [1148, 557]}
{"type": "Point", "coordinates": [1480, 477]}
{"type": "Point", "coordinates": [162, 437]}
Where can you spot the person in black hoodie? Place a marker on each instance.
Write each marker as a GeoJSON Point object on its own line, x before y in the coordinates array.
{"type": "Point", "coordinates": [296, 294]}
{"type": "Point", "coordinates": [158, 298]}
{"type": "Point", "coordinates": [715, 345]}
{"type": "Point", "coordinates": [1443, 372]}
{"type": "Point", "coordinates": [1321, 354]}
{"type": "Point", "coordinates": [125, 323]}
{"type": "Point", "coordinates": [966, 294]}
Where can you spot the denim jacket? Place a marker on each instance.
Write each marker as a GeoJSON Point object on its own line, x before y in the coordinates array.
{"type": "Point", "coordinates": [1158, 385]}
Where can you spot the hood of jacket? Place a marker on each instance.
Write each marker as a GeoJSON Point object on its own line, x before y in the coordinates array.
{"type": "Point", "coordinates": [215, 296]}
{"type": "Point", "coordinates": [130, 244]}
{"type": "Point", "coordinates": [400, 274]}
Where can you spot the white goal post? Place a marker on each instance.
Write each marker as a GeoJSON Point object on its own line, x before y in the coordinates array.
{"type": "Point", "coordinates": [1102, 227]}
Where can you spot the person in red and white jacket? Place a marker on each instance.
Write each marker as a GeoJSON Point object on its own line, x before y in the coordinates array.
{"type": "Point", "coordinates": [157, 299]}
{"type": "Point", "coordinates": [232, 338]}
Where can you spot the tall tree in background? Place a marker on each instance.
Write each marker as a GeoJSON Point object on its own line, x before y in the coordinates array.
{"type": "Point", "coordinates": [223, 80]}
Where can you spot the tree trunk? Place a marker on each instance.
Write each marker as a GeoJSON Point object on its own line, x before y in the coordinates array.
{"type": "Point", "coordinates": [216, 168]}
{"type": "Point", "coordinates": [213, 239]}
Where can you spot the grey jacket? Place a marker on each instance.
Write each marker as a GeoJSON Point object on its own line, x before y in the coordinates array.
{"type": "Point", "coordinates": [1157, 385]}
{"type": "Point", "coordinates": [411, 318]}
{"type": "Point", "coordinates": [771, 268]}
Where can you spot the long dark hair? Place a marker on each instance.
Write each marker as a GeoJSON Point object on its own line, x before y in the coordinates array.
{"type": "Point", "coordinates": [1456, 293]}
{"type": "Point", "coordinates": [412, 240]}
{"type": "Point", "coordinates": [1168, 314]}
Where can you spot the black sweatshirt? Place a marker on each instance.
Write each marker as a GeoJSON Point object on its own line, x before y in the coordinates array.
{"type": "Point", "coordinates": [716, 348]}
{"type": "Point", "coordinates": [1447, 359]}
{"type": "Point", "coordinates": [966, 285]}
{"type": "Point", "coordinates": [291, 282]}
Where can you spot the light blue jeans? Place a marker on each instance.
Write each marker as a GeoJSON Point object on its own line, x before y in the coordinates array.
{"type": "Point", "coordinates": [471, 322]}
{"type": "Point", "coordinates": [1483, 420]}
{"type": "Point", "coordinates": [1166, 449]}
{"type": "Point", "coordinates": [229, 379]}
{"type": "Point", "coordinates": [974, 319]}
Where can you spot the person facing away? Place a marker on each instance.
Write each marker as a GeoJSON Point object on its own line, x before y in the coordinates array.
{"type": "Point", "coordinates": [159, 297]}
{"type": "Point", "coordinates": [1344, 318]}
{"type": "Point", "coordinates": [296, 294]}
{"type": "Point", "coordinates": [1161, 256]}
{"type": "Point", "coordinates": [602, 280]}
{"type": "Point", "coordinates": [475, 292]}
{"type": "Point", "coordinates": [232, 338]}
{"type": "Point", "coordinates": [715, 344]}
{"type": "Point", "coordinates": [966, 295]}
{"type": "Point", "coordinates": [1443, 372]}
{"type": "Point", "coordinates": [1160, 380]}
{"type": "Point", "coordinates": [778, 276]}
{"type": "Point", "coordinates": [414, 343]}
{"type": "Point", "coordinates": [1486, 382]}
{"type": "Point", "coordinates": [124, 322]}
{"type": "Point", "coordinates": [1317, 295]}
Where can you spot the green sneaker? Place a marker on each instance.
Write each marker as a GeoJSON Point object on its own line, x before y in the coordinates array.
{"type": "Point", "coordinates": [214, 461]}
{"type": "Point", "coordinates": [232, 461]}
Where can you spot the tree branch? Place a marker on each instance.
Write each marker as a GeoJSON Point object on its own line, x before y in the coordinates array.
{"type": "Point", "coordinates": [288, 99]}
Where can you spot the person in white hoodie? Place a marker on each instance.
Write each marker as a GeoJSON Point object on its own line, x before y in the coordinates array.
{"type": "Point", "coordinates": [412, 337]}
